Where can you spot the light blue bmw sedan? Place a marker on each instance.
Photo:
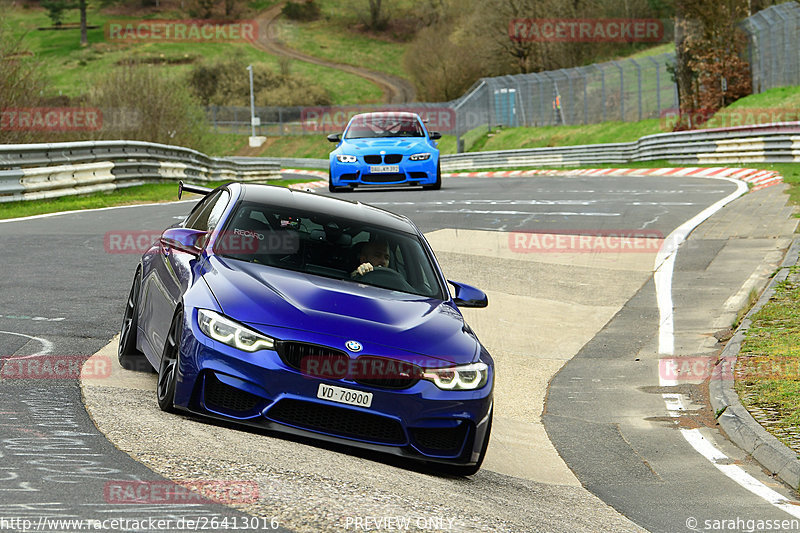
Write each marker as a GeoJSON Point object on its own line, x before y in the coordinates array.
{"type": "Point", "coordinates": [385, 149]}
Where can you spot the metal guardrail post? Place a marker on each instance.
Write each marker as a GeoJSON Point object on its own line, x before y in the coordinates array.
{"type": "Point", "coordinates": [657, 67]}
{"type": "Point", "coordinates": [639, 80]}
{"type": "Point", "coordinates": [603, 89]}
{"type": "Point", "coordinates": [621, 90]}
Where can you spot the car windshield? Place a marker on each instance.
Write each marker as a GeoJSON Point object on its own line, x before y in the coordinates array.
{"type": "Point", "coordinates": [372, 126]}
{"type": "Point", "coordinates": [326, 246]}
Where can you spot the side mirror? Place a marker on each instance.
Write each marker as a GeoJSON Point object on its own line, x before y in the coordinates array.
{"type": "Point", "coordinates": [468, 296]}
{"type": "Point", "coordinates": [187, 240]}
{"type": "Point", "coordinates": [435, 135]}
{"type": "Point", "coordinates": [335, 137]}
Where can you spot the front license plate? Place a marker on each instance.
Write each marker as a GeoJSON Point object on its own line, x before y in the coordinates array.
{"type": "Point", "coordinates": [341, 395]}
{"type": "Point", "coordinates": [384, 169]}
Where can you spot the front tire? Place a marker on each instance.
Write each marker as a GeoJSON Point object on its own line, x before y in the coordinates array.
{"type": "Point", "coordinates": [438, 183]}
{"type": "Point", "coordinates": [129, 356]}
{"type": "Point", "coordinates": [168, 369]}
{"type": "Point", "coordinates": [331, 187]}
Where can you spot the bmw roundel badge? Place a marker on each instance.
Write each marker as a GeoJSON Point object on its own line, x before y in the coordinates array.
{"type": "Point", "coordinates": [353, 346]}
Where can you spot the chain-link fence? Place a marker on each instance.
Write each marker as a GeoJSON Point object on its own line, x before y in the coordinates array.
{"type": "Point", "coordinates": [313, 120]}
{"type": "Point", "coordinates": [773, 44]}
{"type": "Point", "coordinates": [627, 90]}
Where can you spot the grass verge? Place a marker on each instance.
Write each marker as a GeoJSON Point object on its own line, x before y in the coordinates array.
{"type": "Point", "coordinates": [140, 194]}
{"type": "Point", "coordinates": [768, 367]}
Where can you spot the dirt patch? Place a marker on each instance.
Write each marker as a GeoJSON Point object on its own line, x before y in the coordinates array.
{"type": "Point", "coordinates": [698, 412]}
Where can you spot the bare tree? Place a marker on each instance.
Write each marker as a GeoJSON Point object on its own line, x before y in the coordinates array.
{"type": "Point", "coordinates": [377, 18]}
{"type": "Point", "coordinates": [374, 14]}
{"type": "Point", "coordinates": [444, 59]}
{"type": "Point", "coordinates": [82, 9]}
{"type": "Point", "coordinates": [710, 70]}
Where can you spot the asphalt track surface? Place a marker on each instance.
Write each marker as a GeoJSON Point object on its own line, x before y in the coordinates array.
{"type": "Point", "coordinates": [62, 292]}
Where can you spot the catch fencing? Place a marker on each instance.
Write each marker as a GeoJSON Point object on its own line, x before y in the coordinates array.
{"type": "Point", "coordinates": [773, 44]}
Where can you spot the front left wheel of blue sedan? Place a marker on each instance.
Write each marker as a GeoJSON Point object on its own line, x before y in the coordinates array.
{"type": "Point", "coordinates": [168, 369]}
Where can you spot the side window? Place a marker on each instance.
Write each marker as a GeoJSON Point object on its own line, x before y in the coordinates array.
{"type": "Point", "coordinates": [199, 210]}
{"type": "Point", "coordinates": [206, 217]}
{"type": "Point", "coordinates": [217, 210]}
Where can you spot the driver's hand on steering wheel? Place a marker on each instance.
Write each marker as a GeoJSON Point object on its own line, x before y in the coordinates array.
{"type": "Point", "coordinates": [362, 269]}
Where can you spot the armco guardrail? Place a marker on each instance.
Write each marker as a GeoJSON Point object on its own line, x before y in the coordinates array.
{"type": "Point", "coordinates": [35, 171]}
{"type": "Point", "coordinates": [768, 143]}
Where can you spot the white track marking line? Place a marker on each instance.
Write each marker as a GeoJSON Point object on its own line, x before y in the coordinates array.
{"type": "Point", "coordinates": [664, 267]}
{"type": "Point", "coordinates": [47, 346]}
{"type": "Point", "coordinates": [705, 448]}
{"type": "Point", "coordinates": [59, 213]}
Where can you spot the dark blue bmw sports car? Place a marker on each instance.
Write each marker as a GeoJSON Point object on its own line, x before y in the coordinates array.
{"type": "Point", "coordinates": [314, 316]}
{"type": "Point", "coordinates": [385, 149]}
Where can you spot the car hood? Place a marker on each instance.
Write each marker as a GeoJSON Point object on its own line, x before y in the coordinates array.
{"type": "Point", "coordinates": [390, 143]}
{"type": "Point", "coordinates": [335, 310]}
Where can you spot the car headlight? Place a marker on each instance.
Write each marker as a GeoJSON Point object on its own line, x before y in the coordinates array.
{"type": "Point", "coordinates": [226, 331]}
{"type": "Point", "coordinates": [464, 377]}
{"type": "Point", "coordinates": [420, 157]}
{"type": "Point", "coordinates": [344, 158]}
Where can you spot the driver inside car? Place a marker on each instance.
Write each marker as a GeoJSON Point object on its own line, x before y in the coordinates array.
{"type": "Point", "coordinates": [373, 254]}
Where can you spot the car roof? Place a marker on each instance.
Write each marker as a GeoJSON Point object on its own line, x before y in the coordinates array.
{"type": "Point", "coordinates": [315, 203]}
{"type": "Point", "coordinates": [385, 114]}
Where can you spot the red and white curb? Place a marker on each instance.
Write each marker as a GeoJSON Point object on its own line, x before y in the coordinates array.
{"type": "Point", "coordinates": [309, 184]}
{"type": "Point", "coordinates": [759, 178]}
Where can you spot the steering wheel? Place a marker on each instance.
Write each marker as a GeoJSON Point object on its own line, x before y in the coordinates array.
{"type": "Point", "coordinates": [387, 278]}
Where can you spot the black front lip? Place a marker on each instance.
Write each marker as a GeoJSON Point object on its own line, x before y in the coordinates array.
{"type": "Point", "coordinates": [406, 451]}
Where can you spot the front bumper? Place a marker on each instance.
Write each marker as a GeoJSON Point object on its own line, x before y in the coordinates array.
{"type": "Point", "coordinates": [420, 422]}
{"type": "Point", "coordinates": [360, 173]}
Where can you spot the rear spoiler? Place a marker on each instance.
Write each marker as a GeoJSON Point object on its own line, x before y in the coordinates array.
{"type": "Point", "coordinates": [197, 189]}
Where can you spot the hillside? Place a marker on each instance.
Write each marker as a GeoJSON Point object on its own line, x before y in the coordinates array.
{"type": "Point", "coordinates": [70, 68]}
{"type": "Point", "coordinates": [339, 34]}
